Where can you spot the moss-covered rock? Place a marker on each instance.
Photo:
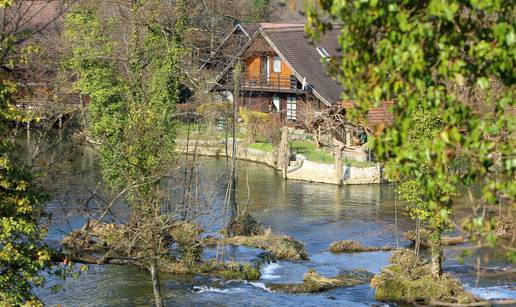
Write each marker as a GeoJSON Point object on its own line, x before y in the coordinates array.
{"type": "Point", "coordinates": [313, 282]}
{"type": "Point", "coordinates": [350, 246]}
{"type": "Point", "coordinates": [228, 270]}
{"type": "Point", "coordinates": [408, 279]}
{"type": "Point", "coordinates": [281, 247]}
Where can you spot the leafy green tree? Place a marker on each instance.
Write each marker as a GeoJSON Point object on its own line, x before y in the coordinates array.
{"type": "Point", "coordinates": [24, 257]}
{"type": "Point", "coordinates": [418, 54]}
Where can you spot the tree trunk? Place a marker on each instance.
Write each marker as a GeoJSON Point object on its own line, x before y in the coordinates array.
{"type": "Point", "coordinates": [348, 138]}
{"type": "Point", "coordinates": [436, 268]}
{"type": "Point", "coordinates": [155, 284]}
{"type": "Point", "coordinates": [339, 172]}
{"type": "Point", "coordinates": [283, 152]}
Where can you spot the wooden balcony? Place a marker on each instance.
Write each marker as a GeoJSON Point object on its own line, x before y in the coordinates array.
{"type": "Point", "coordinates": [272, 83]}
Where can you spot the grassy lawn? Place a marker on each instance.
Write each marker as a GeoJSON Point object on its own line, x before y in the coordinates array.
{"type": "Point", "coordinates": [310, 151]}
{"type": "Point", "coordinates": [267, 147]}
{"type": "Point", "coordinates": [202, 131]}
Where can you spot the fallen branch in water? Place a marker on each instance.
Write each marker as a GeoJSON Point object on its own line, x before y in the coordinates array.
{"type": "Point", "coordinates": [424, 238]}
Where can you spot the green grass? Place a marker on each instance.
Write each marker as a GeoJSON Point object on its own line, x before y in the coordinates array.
{"type": "Point", "coordinates": [202, 131]}
{"type": "Point", "coordinates": [267, 147]}
{"type": "Point", "coordinates": [310, 151]}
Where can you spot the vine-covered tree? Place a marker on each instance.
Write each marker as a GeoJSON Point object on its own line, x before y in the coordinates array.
{"type": "Point", "coordinates": [419, 53]}
{"type": "Point", "coordinates": [133, 96]}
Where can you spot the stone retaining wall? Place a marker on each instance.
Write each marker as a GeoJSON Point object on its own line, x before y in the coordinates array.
{"type": "Point", "coordinates": [300, 169]}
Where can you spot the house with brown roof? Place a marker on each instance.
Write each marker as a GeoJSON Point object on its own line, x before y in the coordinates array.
{"type": "Point", "coordinates": [282, 70]}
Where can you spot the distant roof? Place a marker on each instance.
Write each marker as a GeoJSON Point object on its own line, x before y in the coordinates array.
{"type": "Point", "coordinates": [376, 116]}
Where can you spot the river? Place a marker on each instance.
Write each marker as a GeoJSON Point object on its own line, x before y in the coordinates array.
{"type": "Point", "coordinates": [315, 214]}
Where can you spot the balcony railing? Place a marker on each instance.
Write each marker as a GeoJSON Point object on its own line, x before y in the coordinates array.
{"type": "Point", "coordinates": [272, 82]}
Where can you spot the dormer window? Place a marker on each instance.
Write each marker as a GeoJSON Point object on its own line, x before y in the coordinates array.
{"type": "Point", "coordinates": [324, 54]}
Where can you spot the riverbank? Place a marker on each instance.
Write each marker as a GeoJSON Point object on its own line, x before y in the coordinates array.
{"type": "Point", "coordinates": [300, 168]}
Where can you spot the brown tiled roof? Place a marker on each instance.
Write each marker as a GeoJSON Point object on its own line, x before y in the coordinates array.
{"type": "Point", "coordinates": [376, 116]}
{"type": "Point", "coordinates": [302, 55]}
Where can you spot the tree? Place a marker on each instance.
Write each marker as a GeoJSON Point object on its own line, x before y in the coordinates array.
{"type": "Point", "coordinates": [24, 257]}
{"type": "Point", "coordinates": [415, 53]}
{"type": "Point", "coordinates": [132, 106]}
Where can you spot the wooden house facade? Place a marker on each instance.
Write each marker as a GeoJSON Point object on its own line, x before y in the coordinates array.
{"type": "Point", "coordinates": [281, 71]}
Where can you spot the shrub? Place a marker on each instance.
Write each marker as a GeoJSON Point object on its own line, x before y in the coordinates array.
{"type": "Point", "coordinates": [255, 122]}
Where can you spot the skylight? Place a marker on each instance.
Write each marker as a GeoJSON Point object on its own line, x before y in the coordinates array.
{"type": "Point", "coordinates": [324, 54]}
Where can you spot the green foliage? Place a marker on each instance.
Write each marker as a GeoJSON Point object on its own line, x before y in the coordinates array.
{"type": "Point", "coordinates": [311, 152]}
{"type": "Point", "coordinates": [260, 10]}
{"type": "Point", "coordinates": [418, 53]}
{"type": "Point", "coordinates": [91, 59]}
{"type": "Point", "coordinates": [254, 122]}
{"type": "Point", "coordinates": [23, 255]}
{"type": "Point", "coordinates": [266, 147]}
{"type": "Point", "coordinates": [131, 111]}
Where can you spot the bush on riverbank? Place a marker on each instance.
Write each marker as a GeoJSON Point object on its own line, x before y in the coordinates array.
{"type": "Point", "coordinates": [186, 236]}
{"type": "Point", "coordinates": [244, 225]}
{"type": "Point", "coordinates": [408, 279]}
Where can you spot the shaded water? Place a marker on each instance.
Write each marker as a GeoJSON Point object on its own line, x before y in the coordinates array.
{"type": "Point", "coordinates": [314, 214]}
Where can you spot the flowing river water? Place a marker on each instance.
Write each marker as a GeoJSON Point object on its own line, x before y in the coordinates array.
{"type": "Point", "coordinates": [315, 214]}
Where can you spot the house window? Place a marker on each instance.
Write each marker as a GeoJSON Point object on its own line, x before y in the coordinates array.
{"type": "Point", "coordinates": [276, 67]}
{"type": "Point", "coordinates": [275, 104]}
{"type": "Point", "coordinates": [324, 54]}
{"type": "Point", "coordinates": [291, 108]}
{"type": "Point", "coordinates": [264, 69]}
